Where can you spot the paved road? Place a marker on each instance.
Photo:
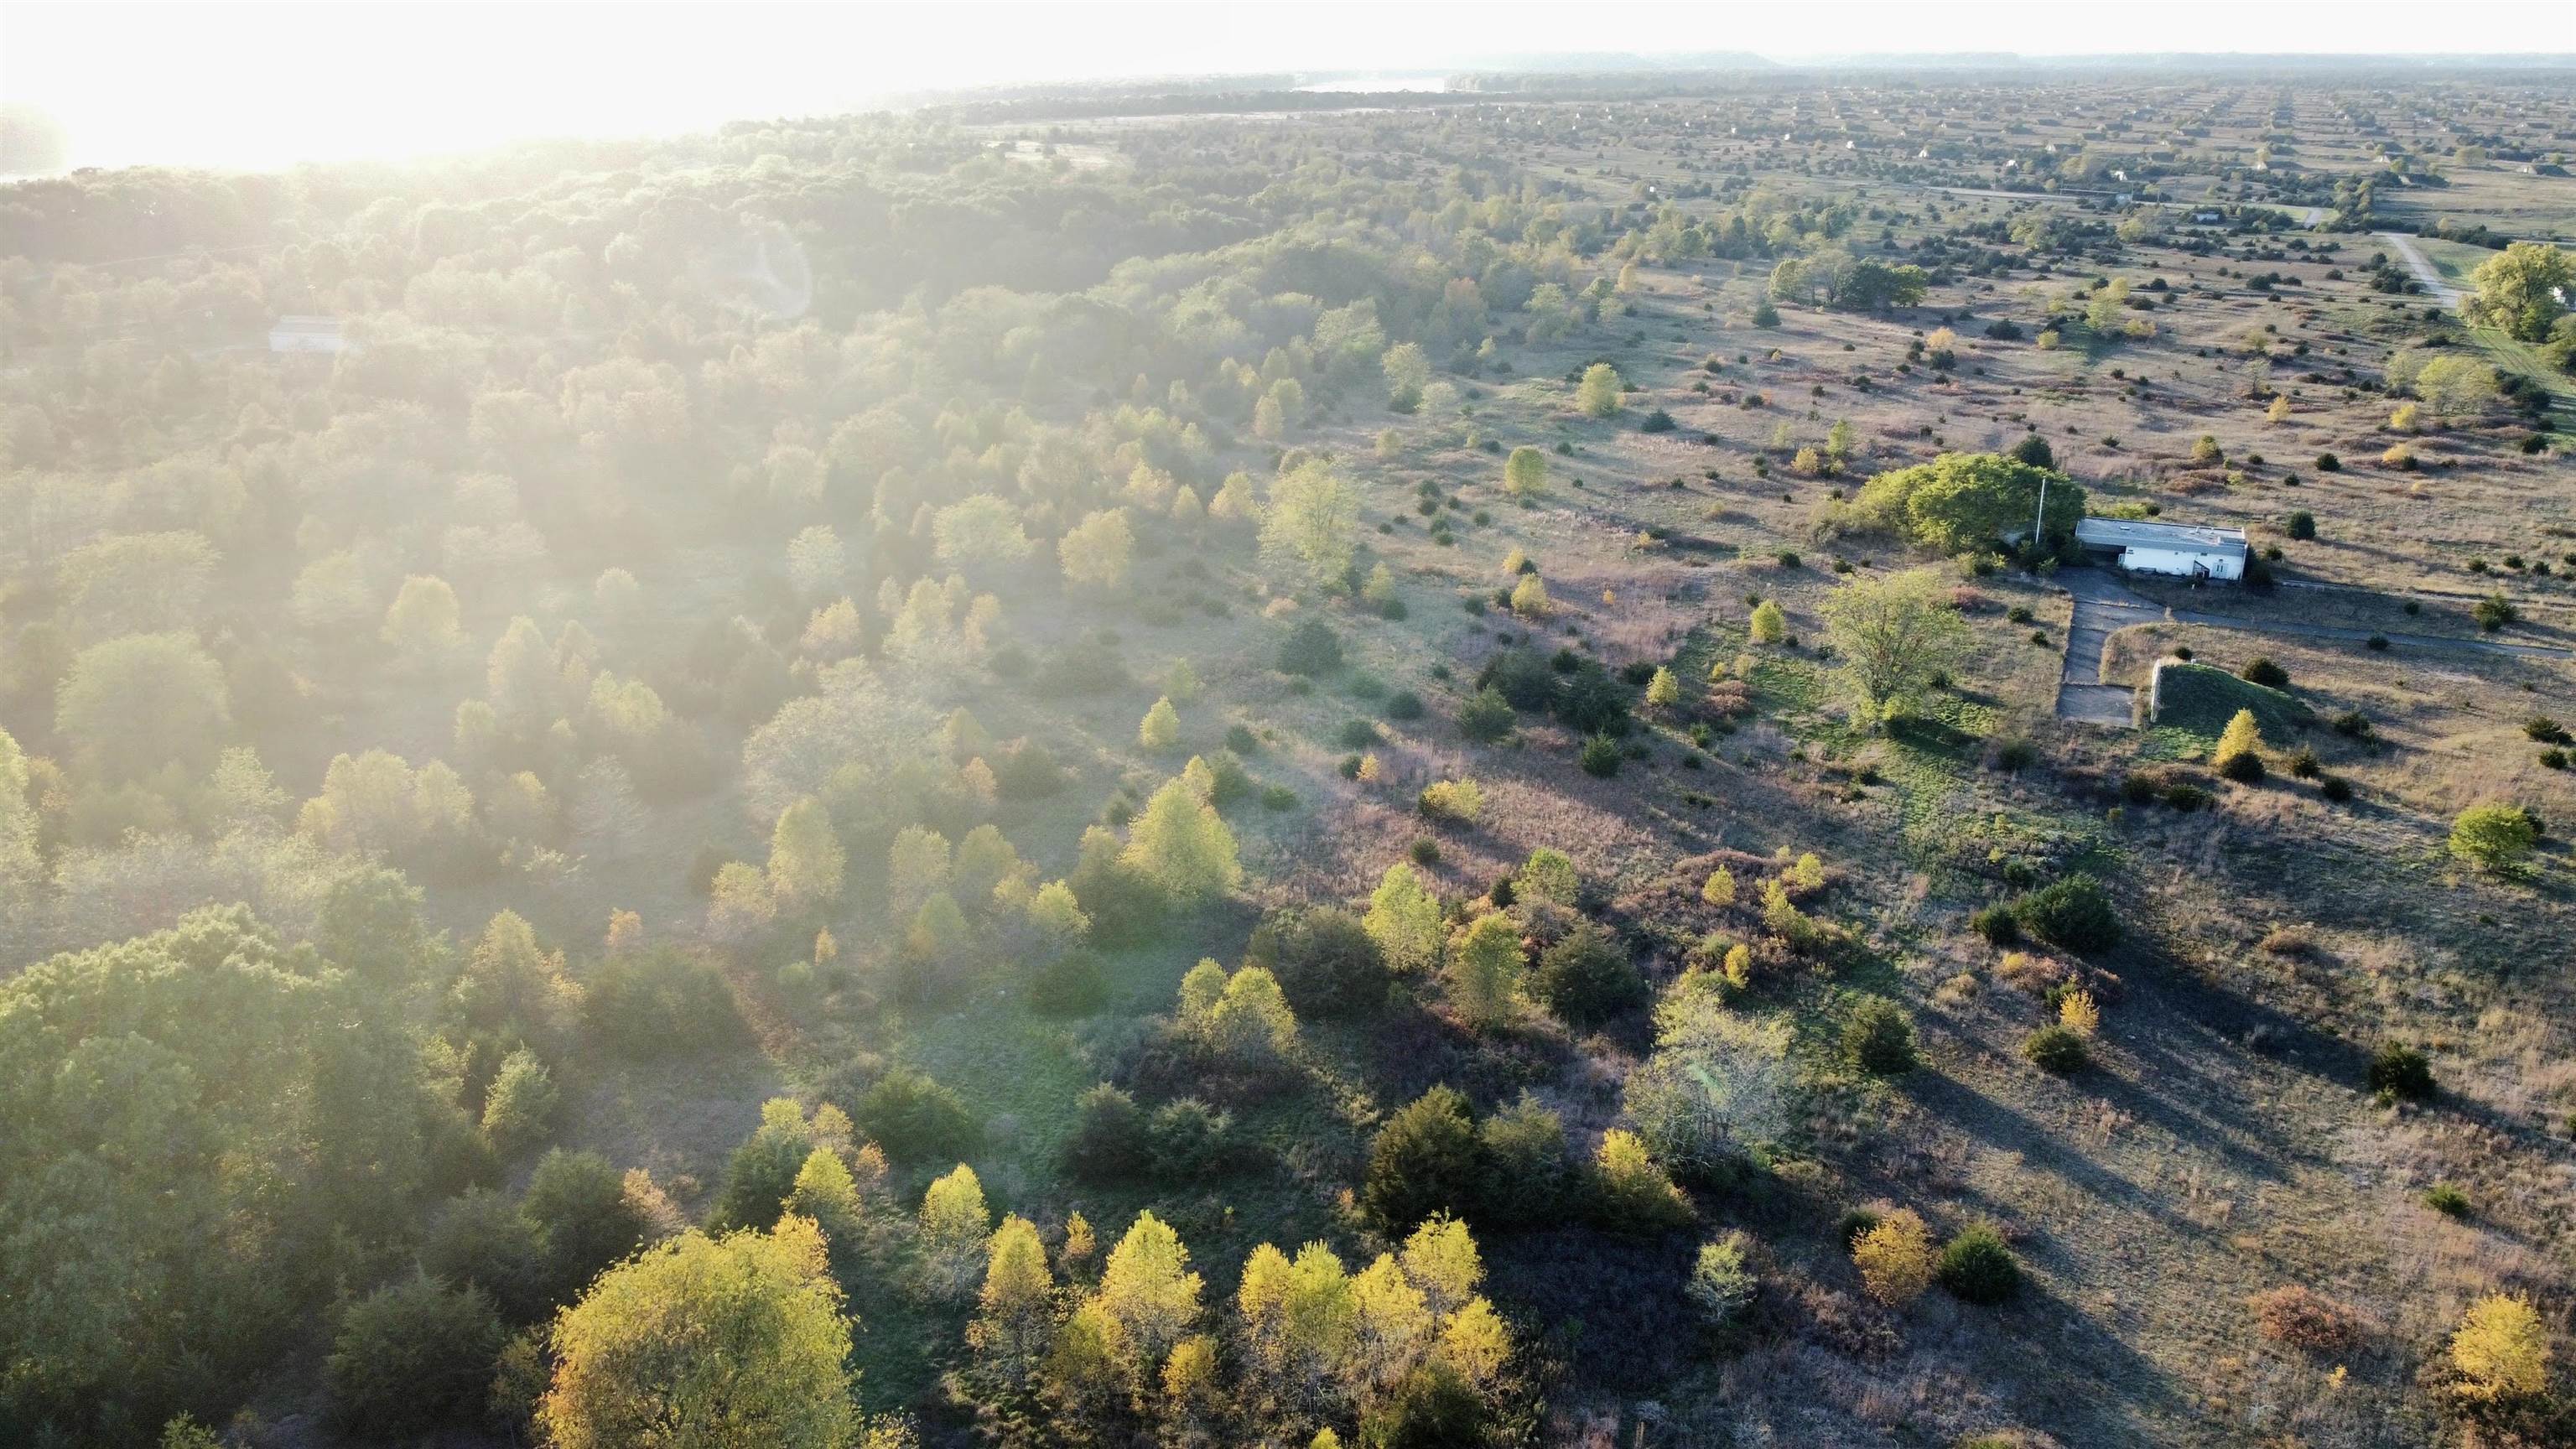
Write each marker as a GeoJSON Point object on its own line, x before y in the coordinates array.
{"type": "Point", "coordinates": [2104, 604]}
{"type": "Point", "coordinates": [2425, 272]}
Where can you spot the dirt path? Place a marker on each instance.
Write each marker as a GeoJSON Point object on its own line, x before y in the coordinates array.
{"type": "Point", "coordinates": [2103, 605]}
{"type": "Point", "coordinates": [2101, 608]}
{"type": "Point", "coordinates": [2425, 272]}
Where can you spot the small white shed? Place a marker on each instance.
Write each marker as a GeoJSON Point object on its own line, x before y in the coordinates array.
{"type": "Point", "coordinates": [2183, 550]}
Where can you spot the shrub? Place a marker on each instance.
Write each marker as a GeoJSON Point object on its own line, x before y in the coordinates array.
{"type": "Point", "coordinates": [2304, 1318]}
{"type": "Point", "coordinates": [1721, 1287]}
{"type": "Point", "coordinates": [2447, 1199]}
{"type": "Point", "coordinates": [1878, 1038]}
{"type": "Point", "coordinates": [1522, 677]}
{"type": "Point", "coordinates": [2335, 788]}
{"type": "Point", "coordinates": [2057, 1049]}
{"type": "Point", "coordinates": [2494, 837]}
{"type": "Point", "coordinates": [1461, 800]}
{"type": "Point", "coordinates": [1894, 1256]}
{"type": "Point", "coordinates": [1592, 702]}
{"type": "Point", "coordinates": [2239, 753]}
{"type": "Point", "coordinates": [1358, 734]}
{"type": "Point", "coordinates": [519, 1104]}
{"type": "Point", "coordinates": [1978, 1268]}
{"type": "Point", "coordinates": [480, 1239]}
{"type": "Point", "coordinates": [1241, 740]}
{"type": "Point", "coordinates": [1108, 1142]}
{"type": "Point", "coordinates": [1996, 923]}
{"type": "Point", "coordinates": [2329, 463]}
{"type": "Point", "coordinates": [1074, 984]}
{"type": "Point", "coordinates": [2501, 1350]}
{"type": "Point", "coordinates": [1402, 705]}
{"type": "Point", "coordinates": [1486, 716]}
{"type": "Point", "coordinates": [2301, 526]}
{"type": "Point", "coordinates": [1586, 977]}
{"type": "Point", "coordinates": [916, 1119]}
{"type": "Point", "coordinates": [412, 1357]}
{"type": "Point", "coordinates": [2494, 612]}
{"type": "Point", "coordinates": [2401, 1071]}
{"type": "Point", "coordinates": [2261, 670]}
{"type": "Point", "coordinates": [1423, 1161]}
{"type": "Point", "coordinates": [661, 1002]}
{"type": "Point", "coordinates": [2074, 913]}
{"type": "Point", "coordinates": [1312, 648]}
{"type": "Point", "coordinates": [1632, 1193]}
{"type": "Point", "coordinates": [1600, 756]}
{"type": "Point", "coordinates": [1326, 961]}
{"type": "Point", "coordinates": [1433, 1407]}
{"type": "Point", "coordinates": [1188, 1140]}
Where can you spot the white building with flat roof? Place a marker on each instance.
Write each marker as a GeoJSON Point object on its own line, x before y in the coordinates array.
{"type": "Point", "coordinates": [307, 334]}
{"type": "Point", "coordinates": [2184, 550]}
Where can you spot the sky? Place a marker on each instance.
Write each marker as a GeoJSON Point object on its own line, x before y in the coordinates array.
{"type": "Point", "coordinates": [222, 83]}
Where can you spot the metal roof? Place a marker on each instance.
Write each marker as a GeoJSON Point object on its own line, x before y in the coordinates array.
{"type": "Point", "coordinates": [2143, 533]}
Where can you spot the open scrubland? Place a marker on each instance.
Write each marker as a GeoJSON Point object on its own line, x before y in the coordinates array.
{"type": "Point", "coordinates": [1382, 776]}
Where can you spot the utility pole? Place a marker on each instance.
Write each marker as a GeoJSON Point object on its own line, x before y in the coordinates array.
{"type": "Point", "coordinates": [2040, 516]}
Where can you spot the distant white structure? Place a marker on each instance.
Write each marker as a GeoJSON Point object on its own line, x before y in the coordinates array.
{"type": "Point", "coordinates": [307, 334]}
{"type": "Point", "coordinates": [2183, 550]}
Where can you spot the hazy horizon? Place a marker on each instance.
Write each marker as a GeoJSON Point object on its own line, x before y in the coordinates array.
{"type": "Point", "coordinates": [261, 86]}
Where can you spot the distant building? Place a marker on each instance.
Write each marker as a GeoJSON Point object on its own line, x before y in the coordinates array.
{"type": "Point", "coordinates": [2182, 550]}
{"type": "Point", "coordinates": [307, 334]}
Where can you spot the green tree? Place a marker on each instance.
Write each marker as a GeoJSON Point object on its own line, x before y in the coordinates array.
{"type": "Point", "coordinates": [132, 705]}
{"type": "Point", "coordinates": [1717, 1085]}
{"type": "Point", "coordinates": [1636, 1195]}
{"type": "Point", "coordinates": [1525, 472]}
{"type": "Point", "coordinates": [980, 533]}
{"type": "Point", "coordinates": [413, 1357]}
{"type": "Point", "coordinates": [2239, 755]}
{"type": "Point", "coordinates": [1408, 372]}
{"type": "Point", "coordinates": [2494, 837]}
{"type": "Point", "coordinates": [1586, 977]}
{"type": "Point", "coordinates": [2456, 385]}
{"type": "Point", "coordinates": [1486, 961]}
{"type": "Point", "coordinates": [762, 1171]}
{"type": "Point", "coordinates": [18, 862]}
{"type": "Point", "coordinates": [1600, 394]}
{"type": "Point", "coordinates": [1404, 919]}
{"type": "Point", "coordinates": [1896, 637]}
{"type": "Point", "coordinates": [589, 1214]}
{"type": "Point", "coordinates": [805, 858]}
{"type": "Point", "coordinates": [1960, 502]}
{"type": "Point", "coordinates": [954, 1225]}
{"type": "Point", "coordinates": [1161, 729]}
{"type": "Point", "coordinates": [1015, 1309]}
{"type": "Point", "coordinates": [2523, 289]}
{"type": "Point", "coordinates": [1184, 845]}
{"type": "Point", "coordinates": [1312, 527]}
{"type": "Point", "coordinates": [707, 1342]}
{"type": "Point", "coordinates": [1096, 552]}
{"type": "Point", "coordinates": [520, 1104]}
{"type": "Point", "coordinates": [421, 624]}
{"type": "Point", "coordinates": [1425, 1160]}
{"type": "Point", "coordinates": [1768, 624]}
{"type": "Point", "coordinates": [1148, 1300]}
{"type": "Point", "coordinates": [1663, 690]}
